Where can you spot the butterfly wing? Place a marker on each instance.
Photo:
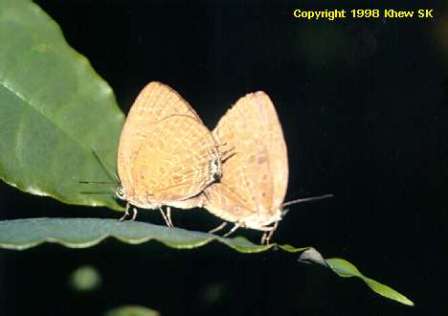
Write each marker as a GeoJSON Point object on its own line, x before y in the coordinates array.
{"type": "Point", "coordinates": [255, 177]}
{"type": "Point", "coordinates": [159, 126]}
{"type": "Point", "coordinates": [174, 163]}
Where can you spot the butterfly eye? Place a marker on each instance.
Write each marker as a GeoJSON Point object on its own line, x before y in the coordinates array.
{"type": "Point", "coordinates": [120, 193]}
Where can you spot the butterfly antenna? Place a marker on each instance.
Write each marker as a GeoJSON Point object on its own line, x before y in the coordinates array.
{"type": "Point", "coordinates": [314, 198]}
{"type": "Point", "coordinates": [225, 153]}
{"type": "Point", "coordinates": [96, 192]}
{"type": "Point", "coordinates": [96, 182]}
{"type": "Point", "coordinates": [111, 176]}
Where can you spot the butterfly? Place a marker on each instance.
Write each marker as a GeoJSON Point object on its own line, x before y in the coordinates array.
{"type": "Point", "coordinates": [166, 155]}
{"type": "Point", "coordinates": [254, 179]}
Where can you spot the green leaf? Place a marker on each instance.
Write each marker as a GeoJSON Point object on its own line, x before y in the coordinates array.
{"type": "Point", "coordinates": [54, 111]}
{"type": "Point", "coordinates": [345, 269]}
{"type": "Point", "coordinates": [22, 234]}
{"type": "Point", "coordinates": [132, 310]}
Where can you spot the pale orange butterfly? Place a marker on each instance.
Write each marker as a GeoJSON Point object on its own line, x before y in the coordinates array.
{"type": "Point", "coordinates": [254, 178]}
{"type": "Point", "coordinates": [166, 155]}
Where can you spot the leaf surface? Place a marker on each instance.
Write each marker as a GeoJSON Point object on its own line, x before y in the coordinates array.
{"type": "Point", "coordinates": [22, 234]}
{"type": "Point", "coordinates": [54, 112]}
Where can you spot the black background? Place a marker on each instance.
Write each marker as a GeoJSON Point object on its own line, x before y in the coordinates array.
{"type": "Point", "coordinates": [363, 108]}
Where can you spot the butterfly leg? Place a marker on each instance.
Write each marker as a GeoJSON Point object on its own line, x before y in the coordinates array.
{"type": "Point", "coordinates": [263, 238]}
{"type": "Point", "coordinates": [204, 197]}
{"type": "Point", "coordinates": [227, 154]}
{"type": "Point", "coordinates": [218, 228]}
{"type": "Point", "coordinates": [134, 213]}
{"type": "Point", "coordinates": [165, 217]}
{"type": "Point", "coordinates": [237, 225]}
{"type": "Point", "coordinates": [168, 215]}
{"type": "Point", "coordinates": [126, 213]}
{"type": "Point", "coordinates": [267, 235]}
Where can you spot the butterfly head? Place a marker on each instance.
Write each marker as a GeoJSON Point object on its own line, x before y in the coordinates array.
{"type": "Point", "coordinates": [120, 193]}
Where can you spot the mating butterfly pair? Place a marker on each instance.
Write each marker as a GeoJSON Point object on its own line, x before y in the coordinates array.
{"type": "Point", "coordinates": [239, 172]}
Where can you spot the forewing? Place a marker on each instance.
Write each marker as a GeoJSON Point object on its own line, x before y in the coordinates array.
{"type": "Point", "coordinates": [274, 142]}
{"type": "Point", "coordinates": [255, 176]}
{"type": "Point", "coordinates": [174, 161]}
{"type": "Point", "coordinates": [155, 103]}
